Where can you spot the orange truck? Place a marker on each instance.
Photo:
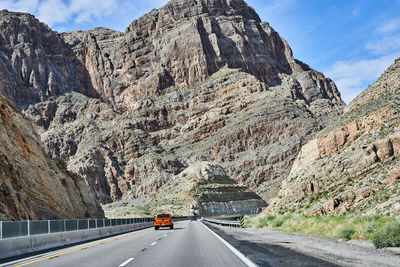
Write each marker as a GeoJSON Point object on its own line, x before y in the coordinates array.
{"type": "Point", "coordinates": [163, 220]}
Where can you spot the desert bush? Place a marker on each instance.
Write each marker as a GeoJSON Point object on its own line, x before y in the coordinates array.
{"type": "Point", "coordinates": [388, 235]}
{"type": "Point", "coordinates": [264, 221]}
{"type": "Point", "coordinates": [278, 223]}
{"type": "Point", "coordinates": [270, 217]}
{"type": "Point", "coordinates": [346, 233]}
{"type": "Point", "coordinates": [344, 226]}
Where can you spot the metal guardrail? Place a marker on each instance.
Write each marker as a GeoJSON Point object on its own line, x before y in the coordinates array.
{"type": "Point", "coordinates": [236, 224]}
{"type": "Point", "coordinates": [180, 218]}
{"type": "Point", "coordinates": [12, 229]}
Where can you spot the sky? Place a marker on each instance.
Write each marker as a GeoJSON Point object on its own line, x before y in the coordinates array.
{"type": "Point", "coordinates": [352, 42]}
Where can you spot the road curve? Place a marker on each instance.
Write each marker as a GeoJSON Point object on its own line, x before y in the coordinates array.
{"type": "Point", "coordinates": [189, 244]}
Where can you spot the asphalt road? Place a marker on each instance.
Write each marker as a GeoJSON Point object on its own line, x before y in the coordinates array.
{"type": "Point", "coordinates": [263, 253]}
{"type": "Point", "coordinates": [189, 244]}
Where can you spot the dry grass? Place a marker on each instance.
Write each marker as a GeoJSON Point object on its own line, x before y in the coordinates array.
{"type": "Point", "coordinates": [339, 227]}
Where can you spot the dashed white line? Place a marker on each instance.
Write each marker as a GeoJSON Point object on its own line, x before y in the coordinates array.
{"type": "Point", "coordinates": [125, 262]}
{"type": "Point", "coordinates": [152, 244]}
{"type": "Point", "coordinates": [165, 235]}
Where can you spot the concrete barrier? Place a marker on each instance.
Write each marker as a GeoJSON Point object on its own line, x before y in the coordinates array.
{"type": "Point", "coordinates": [18, 246]}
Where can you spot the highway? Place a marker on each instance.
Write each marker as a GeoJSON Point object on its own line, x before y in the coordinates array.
{"type": "Point", "coordinates": [189, 244]}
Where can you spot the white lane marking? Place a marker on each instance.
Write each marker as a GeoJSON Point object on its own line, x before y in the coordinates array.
{"type": "Point", "coordinates": [152, 244]}
{"type": "Point", "coordinates": [126, 262]}
{"type": "Point", "coordinates": [165, 235]}
{"type": "Point", "coordinates": [234, 250]}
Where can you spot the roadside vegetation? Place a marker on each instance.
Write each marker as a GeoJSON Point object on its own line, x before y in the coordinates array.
{"type": "Point", "coordinates": [383, 231]}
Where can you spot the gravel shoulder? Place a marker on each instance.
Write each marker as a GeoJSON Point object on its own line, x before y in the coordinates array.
{"type": "Point", "coordinates": [260, 242]}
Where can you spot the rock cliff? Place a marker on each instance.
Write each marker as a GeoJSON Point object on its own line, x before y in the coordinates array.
{"type": "Point", "coordinates": [185, 42]}
{"type": "Point", "coordinates": [353, 164]}
{"type": "Point", "coordinates": [35, 62]}
{"type": "Point", "coordinates": [32, 186]}
{"type": "Point", "coordinates": [192, 81]}
{"type": "Point", "coordinates": [203, 189]}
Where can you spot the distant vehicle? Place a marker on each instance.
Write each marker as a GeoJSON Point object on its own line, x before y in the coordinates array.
{"type": "Point", "coordinates": [163, 220]}
{"type": "Point", "coordinates": [193, 218]}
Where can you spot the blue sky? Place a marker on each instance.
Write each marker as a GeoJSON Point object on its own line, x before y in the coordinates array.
{"type": "Point", "coordinates": [352, 42]}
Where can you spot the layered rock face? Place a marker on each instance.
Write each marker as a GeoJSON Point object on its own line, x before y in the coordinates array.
{"type": "Point", "coordinates": [254, 133]}
{"type": "Point", "coordinates": [185, 42]}
{"type": "Point", "coordinates": [192, 81]}
{"type": "Point", "coordinates": [353, 166]}
{"type": "Point", "coordinates": [205, 189]}
{"type": "Point", "coordinates": [33, 186]}
{"type": "Point", "coordinates": [35, 62]}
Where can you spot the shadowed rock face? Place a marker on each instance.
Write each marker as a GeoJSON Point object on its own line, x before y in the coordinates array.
{"type": "Point", "coordinates": [353, 164]}
{"type": "Point", "coordinates": [194, 80]}
{"type": "Point", "coordinates": [33, 186]}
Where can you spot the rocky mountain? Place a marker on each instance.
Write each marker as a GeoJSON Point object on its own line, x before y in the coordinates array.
{"type": "Point", "coordinates": [353, 164]}
{"type": "Point", "coordinates": [192, 81]}
{"type": "Point", "coordinates": [35, 62]}
{"type": "Point", "coordinates": [33, 186]}
{"type": "Point", "coordinates": [185, 42]}
{"type": "Point", "coordinates": [203, 189]}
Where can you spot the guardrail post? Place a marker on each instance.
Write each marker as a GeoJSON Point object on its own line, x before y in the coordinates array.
{"type": "Point", "coordinates": [87, 223]}
{"type": "Point", "coordinates": [96, 223]}
{"type": "Point", "coordinates": [104, 223]}
{"type": "Point", "coordinates": [65, 226]}
{"type": "Point", "coordinates": [48, 226]}
{"type": "Point", "coordinates": [1, 230]}
{"type": "Point", "coordinates": [29, 228]}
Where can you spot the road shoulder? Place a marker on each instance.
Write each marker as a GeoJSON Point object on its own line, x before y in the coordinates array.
{"type": "Point", "coordinates": [268, 247]}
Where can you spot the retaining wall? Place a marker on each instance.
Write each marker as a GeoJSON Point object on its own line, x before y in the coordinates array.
{"type": "Point", "coordinates": [29, 244]}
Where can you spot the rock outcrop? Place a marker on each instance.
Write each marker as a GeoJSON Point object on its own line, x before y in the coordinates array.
{"type": "Point", "coordinates": [35, 62]}
{"type": "Point", "coordinates": [185, 42]}
{"type": "Point", "coordinates": [192, 81]}
{"type": "Point", "coordinates": [352, 167]}
{"type": "Point", "coordinates": [33, 186]}
{"type": "Point", "coordinates": [205, 189]}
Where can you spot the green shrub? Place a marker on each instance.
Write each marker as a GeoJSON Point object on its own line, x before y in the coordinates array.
{"type": "Point", "coordinates": [388, 235]}
{"type": "Point", "coordinates": [346, 233]}
{"type": "Point", "coordinates": [264, 221]}
{"type": "Point", "coordinates": [371, 228]}
{"type": "Point", "coordinates": [278, 223]}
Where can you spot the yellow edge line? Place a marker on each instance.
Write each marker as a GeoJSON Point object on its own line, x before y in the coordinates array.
{"type": "Point", "coordinates": [81, 248]}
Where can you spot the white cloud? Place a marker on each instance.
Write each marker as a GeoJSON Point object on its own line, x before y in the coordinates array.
{"type": "Point", "coordinates": [352, 77]}
{"type": "Point", "coordinates": [86, 9]}
{"type": "Point", "coordinates": [29, 6]}
{"type": "Point", "coordinates": [389, 26]}
{"type": "Point", "coordinates": [385, 45]}
{"type": "Point", "coordinates": [53, 11]}
{"type": "Point", "coordinates": [59, 11]}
